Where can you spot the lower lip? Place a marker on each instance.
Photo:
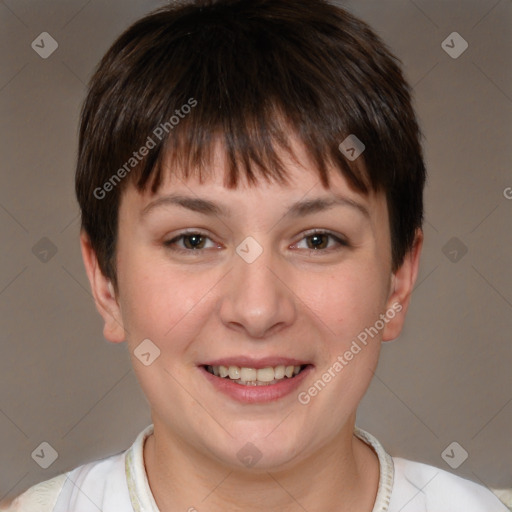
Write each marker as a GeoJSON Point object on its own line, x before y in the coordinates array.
{"type": "Point", "coordinates": [257, 394]}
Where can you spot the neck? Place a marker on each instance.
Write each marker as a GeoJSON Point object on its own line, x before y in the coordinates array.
{"type": "Point", "coordinates": [341, 476]}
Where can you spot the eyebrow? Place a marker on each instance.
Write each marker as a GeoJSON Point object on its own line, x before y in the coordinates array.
{"type": "Point", "coordinates": [207, 207]}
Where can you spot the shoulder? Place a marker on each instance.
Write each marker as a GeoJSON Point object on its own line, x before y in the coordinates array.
{"type": "Point", "coordinates": [421, 487]}
{"type": "Point", "coordinates": [87, 487]}
{"type": "Point", "coordinates": [38, 498]}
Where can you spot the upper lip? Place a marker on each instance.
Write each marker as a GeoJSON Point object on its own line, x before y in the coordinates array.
{"type": "Point", "coordinates": [249, 362]}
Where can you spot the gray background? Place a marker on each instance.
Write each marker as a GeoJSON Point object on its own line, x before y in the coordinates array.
{"type": "Point", "coordinates": [447, 378]}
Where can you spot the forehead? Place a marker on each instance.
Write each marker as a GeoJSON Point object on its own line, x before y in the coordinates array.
{"type": "Point", "coordinates": [262, 205]}
{"type": "Point", "coordinates": [301, 179]}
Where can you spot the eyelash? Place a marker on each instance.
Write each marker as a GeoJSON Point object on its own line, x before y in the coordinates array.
{"type": "Point", "coordinates": [343, 243]}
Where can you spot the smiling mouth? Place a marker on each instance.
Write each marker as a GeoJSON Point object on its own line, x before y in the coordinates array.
{"type": "Point", "coordinates": [256, 377]}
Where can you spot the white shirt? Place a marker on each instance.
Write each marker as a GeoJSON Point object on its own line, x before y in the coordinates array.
{"type": "Point", "coordinates": [119, 484]}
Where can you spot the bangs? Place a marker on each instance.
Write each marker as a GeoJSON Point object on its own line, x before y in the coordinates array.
{"type": "Point", "coordinates": [250, 83]}
{"type": "Point", "coordinates": [251, 149]}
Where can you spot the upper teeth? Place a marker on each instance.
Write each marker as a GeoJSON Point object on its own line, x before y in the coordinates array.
{"type": "Point", "coordinates": [252, 374]}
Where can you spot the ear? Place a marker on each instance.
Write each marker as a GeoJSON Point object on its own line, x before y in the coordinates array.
{"type": "Point", "coordinates": [402, 284]}
{"type": "Point", "coordinates": [103, 293]}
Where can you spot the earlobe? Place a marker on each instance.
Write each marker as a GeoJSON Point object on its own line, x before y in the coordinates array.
{"type": "Point", "coordinates": [103, 293]}
{"type": "Point", "coordinates": [402, 285]}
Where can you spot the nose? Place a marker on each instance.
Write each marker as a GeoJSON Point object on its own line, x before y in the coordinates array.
{"type": "Point", "coordinates": [258, 300]}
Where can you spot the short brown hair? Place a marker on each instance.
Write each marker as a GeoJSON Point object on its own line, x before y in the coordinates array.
{"type": "Point", "coordinates": [246, 66]}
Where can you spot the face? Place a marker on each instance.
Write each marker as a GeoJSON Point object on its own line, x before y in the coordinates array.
{"type": "Point", "coordinates": [263, 278]}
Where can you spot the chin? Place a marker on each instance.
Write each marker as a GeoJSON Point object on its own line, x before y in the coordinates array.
{"type": "Point", "coordinates": [260, 451]}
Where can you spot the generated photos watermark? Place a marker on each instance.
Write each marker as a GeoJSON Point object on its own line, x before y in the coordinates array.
{"type": "Point", "coordinates": [304, 397]}
{"type": "Point", "coordinates": [159, 133]}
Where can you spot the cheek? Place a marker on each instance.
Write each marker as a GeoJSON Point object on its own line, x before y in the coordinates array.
{"type": "Point", "coordinates": [346, 301]}
{"type": "Point", "coordinates": [163, 303]}
{"type": "Point", "coordinates": [349, 304]}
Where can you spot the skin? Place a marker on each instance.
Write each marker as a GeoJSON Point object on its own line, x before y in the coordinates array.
{"type": "Point", "coordinates": [203, 305]}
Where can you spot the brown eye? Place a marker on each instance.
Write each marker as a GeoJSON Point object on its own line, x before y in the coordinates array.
{"type": "Point", "coordinates": [195, 241]}
{"type": "Point", "coordinates": [192, 241]}
{"type": "Point", "coordinates": [319, 241]}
